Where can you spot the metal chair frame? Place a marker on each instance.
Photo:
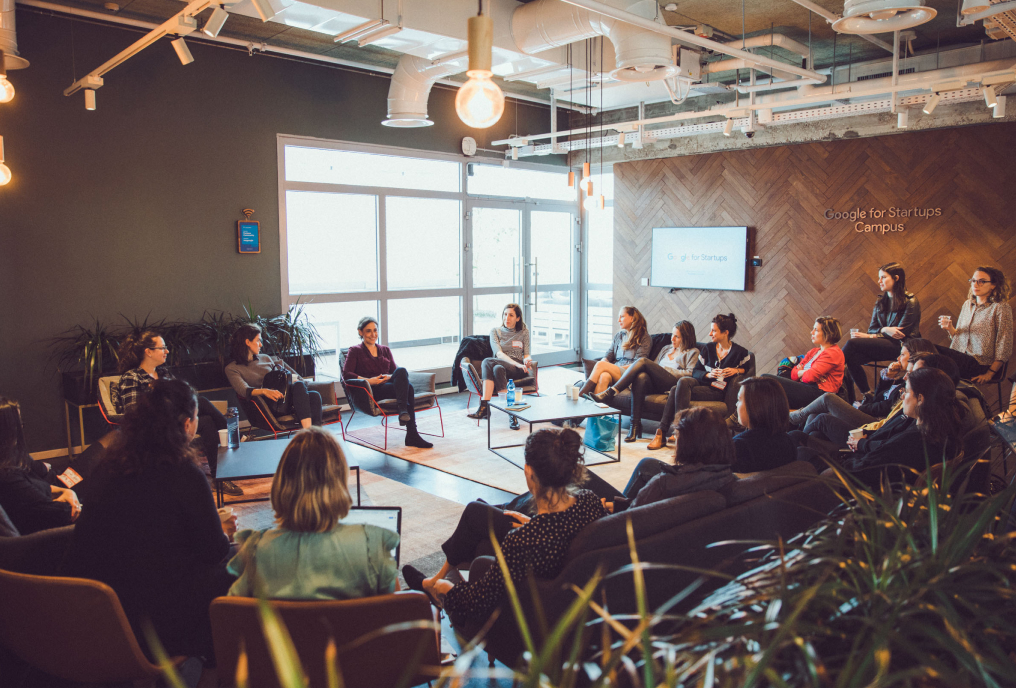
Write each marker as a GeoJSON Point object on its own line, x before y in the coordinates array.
{"type": "Point", "coordinates": [364, 386]}
{"type": "Point", "coordinates": [475, 386]}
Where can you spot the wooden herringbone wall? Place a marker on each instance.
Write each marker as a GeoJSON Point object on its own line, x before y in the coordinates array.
{"type": "Point", "coordinates": [813, 266]}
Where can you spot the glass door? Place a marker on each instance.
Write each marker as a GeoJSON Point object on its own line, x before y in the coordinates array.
{"type": "Point", "coordinates": [495, 251]}
{"type": "Point", "coordinates": [551, 285]}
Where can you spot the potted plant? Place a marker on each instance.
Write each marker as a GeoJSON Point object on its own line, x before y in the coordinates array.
{"type": "Point", "coordinates": [83, 355]}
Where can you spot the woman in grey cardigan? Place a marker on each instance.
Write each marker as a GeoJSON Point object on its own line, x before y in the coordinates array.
{"type": "Point", "coordinates": [510, 344]}
{"type": "Point", "coordinates": [246, 373]}
{"type": "Point", "coordinates": [647, 377]}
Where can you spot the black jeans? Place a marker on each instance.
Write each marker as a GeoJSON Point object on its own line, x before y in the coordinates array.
{"type": "Point", "coordinates": [305, 403]}
{"type": "Point", "coordinates": [645, 377]}
{"type": "Point", "coordinates": [857, 352]}
{"type": "Point", "coordinates": [680, 398]}
{"type": "Point", "coordinates": [210, 421]}
{"type": "Point", "coordinates": [799, 394]}
{"type": "Point", "coordinates": [646, 470]}
{"type": "Point", "coordinates": [397, 388]}
{"type": "Point", "coordinates": [968, 365]}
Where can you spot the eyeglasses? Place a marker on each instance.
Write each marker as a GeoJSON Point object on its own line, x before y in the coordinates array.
{"type": "Point", "coordinates": [980, 283]}
{"type": "Point", "coordinates": [159, 348]}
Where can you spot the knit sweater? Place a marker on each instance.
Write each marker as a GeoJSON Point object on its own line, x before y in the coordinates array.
{"type": "Point", "coordinates": [510, 344]}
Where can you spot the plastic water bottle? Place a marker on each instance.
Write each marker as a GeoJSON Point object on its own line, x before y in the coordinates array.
{"type": "Point", "coordinates": [233, 426]}
{"type": "Point", "coordinates": [511, 392]}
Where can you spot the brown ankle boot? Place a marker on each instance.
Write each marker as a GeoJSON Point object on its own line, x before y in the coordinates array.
{"type": "Point", "coordinates": [658, 441]}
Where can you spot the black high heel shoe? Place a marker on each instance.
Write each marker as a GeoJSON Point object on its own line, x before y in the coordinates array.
{"type": "Point", "coordinates": [603, 397]}
{"type": "Point", "coordinates": [481, 412]}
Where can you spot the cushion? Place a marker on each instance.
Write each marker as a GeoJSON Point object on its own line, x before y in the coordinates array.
{"type": "Point", "coordinates": [753, 485]}
{"type": "Point", "coordinates": [647, 520]}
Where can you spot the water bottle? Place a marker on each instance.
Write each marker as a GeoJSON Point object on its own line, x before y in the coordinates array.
{"type": "Point", "coordinates": [233, 426]}
{"type": "Point", "coordinates": [511, 392]}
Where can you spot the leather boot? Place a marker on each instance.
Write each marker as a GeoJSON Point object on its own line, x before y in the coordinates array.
{"type": "Point", "coordinates": [413, 438]}
{"type": "Point", "coordinates": [482, 411]}
{"type": "Point", "coordinates": [658, 441]}
{"type": "Point", "coordinates": [634, 432]}
{"type": "Point", "coordinates": [603, 397]}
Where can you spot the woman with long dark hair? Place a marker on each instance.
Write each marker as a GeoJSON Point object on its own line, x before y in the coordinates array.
{"type": "Point", "coordinates": [631, 343]}
{"type": "Point", "coordinates": [895, 318]}
{"type": "Point", "coordinates": [647, 377]}
{"type": "Point", "coordinates": [142, 358]}
{"type": "Point", "coordinates": [554, 469]}
{"type": "Point", "coordinates": [30, 501]}
{"type": "Point", "coordinates": [981, 340]}
{"type": "Point", "coordinates": [375, 363]}
{"type": "Point", "coordinates": [152, 532]}
{"type": "Point", "coordinates": [511, 359]}
{"type": "Point", "coordinates": [720, 363]}
{"type": "Point", "coordinates": [764, 413]}
{"type": "Point", "coordinates": [246, 373]}
{"type": "Point", "coordinates": [928, 430]}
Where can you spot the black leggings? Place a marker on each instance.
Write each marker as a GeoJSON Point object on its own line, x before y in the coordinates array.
{"type": "Point", "coordinates": [397, 388]}
{"type": "Point", "coordinates": [210, 421]}
{"type": "Point", "coordinates": [680, 398]}
{"type": "Point", "coordinates": [799, 394]}
{"type": "Point", "coordinates": [645, 377]}
{"type": "Point", "coordinates": [857, 352]}
{"type": "Point", "coordinates": [968, 365]}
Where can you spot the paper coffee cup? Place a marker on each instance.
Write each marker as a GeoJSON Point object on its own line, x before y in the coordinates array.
{"type": "Point", "coordinates": [857, 433]}
{"type": "Point", "coordinates": [573, 393]}
{"type": "Point", "coordinates": [223, 438]}
{"type": "Point", "coordinates": [225, 513]}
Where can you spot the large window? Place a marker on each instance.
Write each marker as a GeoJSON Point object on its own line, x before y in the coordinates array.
{"type": "Point", "coordinates": [432, 246]}
{"type": "Point", "coordinates": [599, 320]}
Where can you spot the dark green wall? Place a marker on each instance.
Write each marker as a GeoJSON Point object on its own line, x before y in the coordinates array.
{"type": "Point", "coordinates": [132, 208]}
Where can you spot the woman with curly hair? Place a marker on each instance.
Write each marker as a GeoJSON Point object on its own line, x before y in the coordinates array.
{"type": "Point", "coordinates": [981, 340]}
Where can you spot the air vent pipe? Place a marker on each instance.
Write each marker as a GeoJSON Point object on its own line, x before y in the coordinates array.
{"type": "Point", "coordinates": [410, 89]}
{"type": "Point", "coordinates": [640, 55]}
{"type": "Point", "coordinates": [9, 37]}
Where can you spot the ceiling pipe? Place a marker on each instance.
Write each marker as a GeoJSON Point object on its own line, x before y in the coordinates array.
{"type": "Point", "coordinates": [948, 78]}
{"type": "Point", "coordinates": [831, 17]}
{"type": "Point", "coordinates": [769, 39]}
{"type": "Point", "coordinates": [692, 39]}
{"type": "Point", "coordinates": [640, 55]}
{"type": "Point", "coordinates": [410, 89]}
{"type": "Point", "coordinates": [9, 38]}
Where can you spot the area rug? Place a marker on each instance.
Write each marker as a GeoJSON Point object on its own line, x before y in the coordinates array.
{"type": "Point", "coordinates": [463, 450]}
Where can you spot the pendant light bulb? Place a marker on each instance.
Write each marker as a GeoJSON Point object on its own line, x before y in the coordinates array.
{"type": "Point", "coordinates": [479, 102]}
{"type": "Point", "coordinates": [6, 89]}
{"type": "Point", "coordinates": [585, 171]}
{"type": "Point", "coordinates": [589, 188]}
{"type": "Point", "coordinates": [571, 179]}
{"type": "Point", "coordinates": [602, 202]}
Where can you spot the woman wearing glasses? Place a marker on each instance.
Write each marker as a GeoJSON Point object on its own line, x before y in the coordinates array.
{"type": "Point", "coordinates": [141, 357]}
{"type": "Point", "coordinates": [982, 336]}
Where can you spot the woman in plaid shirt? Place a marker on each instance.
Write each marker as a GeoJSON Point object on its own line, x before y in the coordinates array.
{"type": "Point", "coordinates": [981, 341]}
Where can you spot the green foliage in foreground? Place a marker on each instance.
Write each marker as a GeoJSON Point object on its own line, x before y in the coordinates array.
{"type": "Point", "coordinates": [912, 588]}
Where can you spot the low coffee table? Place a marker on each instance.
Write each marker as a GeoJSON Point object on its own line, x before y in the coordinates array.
{"type": "Point", "coordinates": [255, 459]}
{"type": "Point", "coordinates": [545, 409]}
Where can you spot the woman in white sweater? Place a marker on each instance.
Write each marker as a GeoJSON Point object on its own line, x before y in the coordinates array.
{"type": "Point", "coordinates": [511, 359]}
{"type": "Point", "coordinates": [647, 377]}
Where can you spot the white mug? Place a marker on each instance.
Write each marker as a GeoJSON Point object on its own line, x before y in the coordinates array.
{"type": "Point", "coordinates": [224, 438]}
{"type": "Point", "coordinates": [225, 513]}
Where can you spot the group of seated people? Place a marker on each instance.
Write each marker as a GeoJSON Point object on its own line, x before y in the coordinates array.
{"type": "Point", "coordinates": [152, 532]}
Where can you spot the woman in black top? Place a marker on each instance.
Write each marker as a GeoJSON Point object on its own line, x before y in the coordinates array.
{"type": "Point", "coordinates": [720, 363]}
{"type": "Point", "coordinates": [896, 317]}
{"type": "Point", "coordinates": [762, 408]}
{"type": "Point", "coordinates": [927, 432]}
{"type": "Point", "coordinates": [31, 502]}
{"type": "Point", "coordinates": [538, 544]}
{"type": "Point", "coordinates": [152, 532]}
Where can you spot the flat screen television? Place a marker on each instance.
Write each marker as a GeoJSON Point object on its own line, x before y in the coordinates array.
{"type": "Point", "coordinates": [700, 258]}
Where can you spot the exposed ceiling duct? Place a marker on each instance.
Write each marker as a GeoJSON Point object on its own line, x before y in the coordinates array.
{"type": "Point", "coordinates": [881, 16]}
{"type": "Point", "coordinates": [410, 89]}
{"type": "Point", "coordinates": [640, 55]}
{"type": "Point", "coordinates": [9, 37]}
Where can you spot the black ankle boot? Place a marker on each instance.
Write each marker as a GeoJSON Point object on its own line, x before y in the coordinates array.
{"type": "Point", "coordinates": [413, 438]}
{"type": "Point", "coordinates": [605, 396]}
{"type": "Point", "coordinates": [404, 417]}
{"type": "Point", "coordinates": [482, 411]}
{"type": "Point", "coordinates": [634, 432]}
{"type": "Point", "coordinates": [514, 424]}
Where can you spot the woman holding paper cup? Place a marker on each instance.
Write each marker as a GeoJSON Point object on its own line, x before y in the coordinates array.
{"type": "Point", "coordinates": [142, 362]}
{"type": "Point", "coordinates": [151, 530]}
{"type": "Point", "coordinates": [981, 339]}
{"type": "Point", "coordinates": [511, 359]}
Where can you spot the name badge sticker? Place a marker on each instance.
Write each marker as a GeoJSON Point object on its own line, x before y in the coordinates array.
{"type": "Point", "coordinates": [517, 345]}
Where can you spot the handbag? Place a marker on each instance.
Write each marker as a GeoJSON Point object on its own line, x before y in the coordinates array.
{"type": "Point", "coordinates": [601, 433]}
{"type": "Point", "coordinates": [278, 379]}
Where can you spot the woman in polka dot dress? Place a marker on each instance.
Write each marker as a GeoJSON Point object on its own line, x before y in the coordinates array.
{"type": "Point", "coordinates": [553, 470]}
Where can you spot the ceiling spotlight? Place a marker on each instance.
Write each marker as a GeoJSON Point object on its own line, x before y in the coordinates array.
{"type": "Point", "coordinates": [932, 103]}
{"type": "Point", "coordinates": [89, 99]}
{"type": "Point", "coordinates": [670, 7]}
{"type": "Point", "coordinates": [264, 9]}
{"type": "Point", "coordinates": [903, 119]}
{"type": "Point", "coordinates": [728, 127]}
{"type": "Point", "coordinates": [479, 102]}
{"type": "Point", "coordinates": [999, 109]}
{"type": "Point", "coordinates": [620, 140]}
{"type": "Point", "coordinates": [182, 51]}
{"type": "Point", "coordinates": [973, 6]}
{"type": "Point", "coordinates": [989, 96]}
{"type": "Point", "coordinates": [215, 22]}
{"type": "Point", "coordinates": [5, 172]}
{"type": "Point", "coordinates": [515, 152]}
{"type": "Point", "coordinates": [881, 16]}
